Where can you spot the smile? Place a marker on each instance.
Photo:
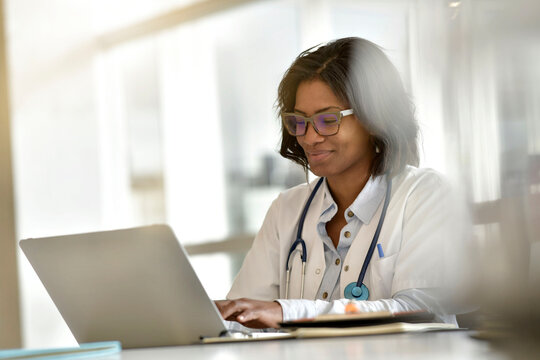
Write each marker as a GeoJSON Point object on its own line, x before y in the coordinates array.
{"type": "Point", "coordinates": [316, 156]}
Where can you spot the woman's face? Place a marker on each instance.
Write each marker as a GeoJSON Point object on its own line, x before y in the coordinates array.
{"type": "Point", "coordinates": [345, 155]}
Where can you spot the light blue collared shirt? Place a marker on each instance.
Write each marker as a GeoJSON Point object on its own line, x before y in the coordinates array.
{"type": "Point", "coordinates": [359, 213]}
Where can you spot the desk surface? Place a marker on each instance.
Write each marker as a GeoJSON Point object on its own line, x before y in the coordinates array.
{"type": "Point", "coordinates": [434, 345]}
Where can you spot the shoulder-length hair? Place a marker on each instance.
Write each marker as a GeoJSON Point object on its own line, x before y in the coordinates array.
{"type": "Point", "coordinates": [360, 75]}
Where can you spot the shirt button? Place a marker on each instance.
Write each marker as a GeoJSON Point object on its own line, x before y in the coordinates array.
{"type": "Point", "coordinates": [338, 261]}
{"type": "Point", "coordinates": [325, 295]}
{"type": "Point", "coordinates": [318, 271]}
{"type": "Point", "coordinates": [346, 268]}
{"type": "Point", "coordinates": [347, 234]}
{"type": "Point", "coordinates": [350, 213]}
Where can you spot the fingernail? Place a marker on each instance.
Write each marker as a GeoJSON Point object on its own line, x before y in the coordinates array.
{"type": "Point", "coordinates": [241, 318]}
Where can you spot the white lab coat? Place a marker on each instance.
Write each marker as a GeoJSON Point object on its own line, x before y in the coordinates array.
{"type": "Point", "coordinates": [416, 240]}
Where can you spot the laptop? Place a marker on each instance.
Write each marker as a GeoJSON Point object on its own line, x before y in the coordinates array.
{"type": "Point", "coordinates": [133, 285]}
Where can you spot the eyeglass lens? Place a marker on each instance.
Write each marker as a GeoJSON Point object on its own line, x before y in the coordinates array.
{"type": "Point", "coordinates": [324, 124]}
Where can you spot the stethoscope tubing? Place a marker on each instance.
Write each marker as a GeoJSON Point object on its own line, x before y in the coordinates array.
{"type": "Point", "coordinates": [302, 243]}
{"type": "Point", "coordinates": [375, 239]}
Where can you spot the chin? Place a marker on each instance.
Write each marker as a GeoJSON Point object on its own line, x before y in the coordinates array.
{"type": "Point", "coordinates": [318, 171]}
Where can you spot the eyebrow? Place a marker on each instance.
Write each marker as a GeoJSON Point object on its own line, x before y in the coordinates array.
{"type": "Point", "coordinates": [318, 111]}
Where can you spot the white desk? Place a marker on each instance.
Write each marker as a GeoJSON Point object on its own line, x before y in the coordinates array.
{"type": "Point", "coordinates": [435, 345]}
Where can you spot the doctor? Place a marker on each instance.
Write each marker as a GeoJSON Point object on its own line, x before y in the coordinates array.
{"type": "Point", "coordinates": [375, 233]}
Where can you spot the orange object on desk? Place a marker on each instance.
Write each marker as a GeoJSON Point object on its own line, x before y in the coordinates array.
{"type": "Point", "coordinates": [351, 308]}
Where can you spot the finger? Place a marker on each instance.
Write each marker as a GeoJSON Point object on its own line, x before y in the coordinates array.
{"type": "Point", "coordinates": [247, 315]}
{"type": "Point", "coordinates": [223, 306]}
{"type": "Point", "coordinates": [230, 310]}
{"type": "Point", "coordinates": [255, 324]}
{"type": "Point", "coordinates": [255, 319]}
{"type": "Point", "coordinates": [220, 304]}
{"type": "Point", "coordinates": [258, 322]}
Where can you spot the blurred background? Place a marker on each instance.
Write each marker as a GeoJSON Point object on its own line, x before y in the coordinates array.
{"type": "Point", "coordinates": [128, 113]}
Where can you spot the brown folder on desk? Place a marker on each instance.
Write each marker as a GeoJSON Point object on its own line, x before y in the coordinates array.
{"type": "Point", "coordinates": [377, 323]}
{"type": "Point", "coordinates": [390, 328]}
{"type": "Point", "coordinates": [360, 319]}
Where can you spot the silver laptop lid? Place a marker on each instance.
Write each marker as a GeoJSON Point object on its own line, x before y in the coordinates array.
{"type": "Point", "coordinates": [133, 285]}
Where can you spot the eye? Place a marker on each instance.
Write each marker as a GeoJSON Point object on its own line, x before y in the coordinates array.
{"type": "Point", "coordinates": [329, 119]}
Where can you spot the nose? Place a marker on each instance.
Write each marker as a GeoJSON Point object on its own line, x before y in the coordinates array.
{"type": "Point", "coordinates": [311, 137]}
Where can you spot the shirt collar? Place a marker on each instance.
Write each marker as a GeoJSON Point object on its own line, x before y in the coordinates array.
{"type": "Point", "coordinates": [364, 206]}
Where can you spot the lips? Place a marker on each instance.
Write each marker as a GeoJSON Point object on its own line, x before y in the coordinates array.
{"type": "Point", "coordinates": [318, 155]}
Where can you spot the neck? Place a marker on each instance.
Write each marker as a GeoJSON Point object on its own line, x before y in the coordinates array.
{"type": "Point", "coordinates": [345, 189]}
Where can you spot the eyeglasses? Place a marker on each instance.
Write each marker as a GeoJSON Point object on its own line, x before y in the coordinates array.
{"type": "Point", "coordinates": [325, 123]}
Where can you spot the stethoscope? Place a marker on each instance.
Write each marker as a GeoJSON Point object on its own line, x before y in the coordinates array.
{"type": "Point", "coordinates": [355, 290]}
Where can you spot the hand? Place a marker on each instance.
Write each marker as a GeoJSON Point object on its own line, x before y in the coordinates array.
{"type": "Point", "coordinates": [251, 313]}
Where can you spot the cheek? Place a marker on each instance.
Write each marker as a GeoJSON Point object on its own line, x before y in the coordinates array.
{"type": "Point", "coordinates": [356, 145]}
{"type": "Point", "coordinates": [300, 142]}
{"type": "Point", "coordinates": [357, 138]}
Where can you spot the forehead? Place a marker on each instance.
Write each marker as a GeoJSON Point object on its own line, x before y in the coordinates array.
{"type": "Point", "coordinates": [315, 95]}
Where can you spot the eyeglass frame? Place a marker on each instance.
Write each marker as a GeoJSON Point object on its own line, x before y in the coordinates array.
{"type": "Point", "coordinates": [340, 115]}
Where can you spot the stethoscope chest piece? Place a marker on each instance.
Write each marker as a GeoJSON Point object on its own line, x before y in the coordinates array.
{"type": "Point", "coordinates": [354, 292]}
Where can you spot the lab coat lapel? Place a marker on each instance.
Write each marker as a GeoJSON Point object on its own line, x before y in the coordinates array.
{"type": "Point", "coordinates": [296, 274]}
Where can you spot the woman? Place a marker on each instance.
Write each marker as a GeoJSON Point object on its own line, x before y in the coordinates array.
{"type": "Point", "coordinates": [347, 118]}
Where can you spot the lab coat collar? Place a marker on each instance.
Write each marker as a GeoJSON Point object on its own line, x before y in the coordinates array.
{"type": "Point", "coordinates": [328, 206]}
{"type": "Point", "coordinates": [367, 202]}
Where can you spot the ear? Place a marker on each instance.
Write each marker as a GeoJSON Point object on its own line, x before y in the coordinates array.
{"type": "Point", "coordinates": [373, 142]}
